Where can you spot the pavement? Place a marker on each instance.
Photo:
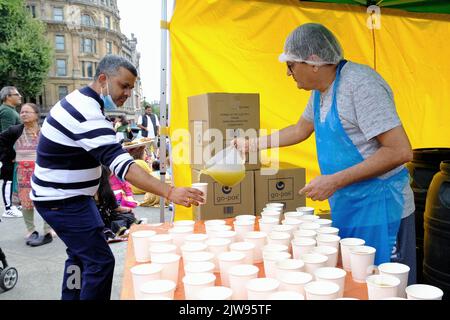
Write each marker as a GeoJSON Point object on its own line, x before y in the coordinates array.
{"type": "Point", "coordinates": [40, 269]}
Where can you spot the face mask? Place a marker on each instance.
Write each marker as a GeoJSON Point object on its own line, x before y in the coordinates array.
{"type": "Point", "coordinates": [107, 100]}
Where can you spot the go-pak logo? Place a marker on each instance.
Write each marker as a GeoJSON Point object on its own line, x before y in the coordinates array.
{"type": "Point", "coordinates": [227, 195]}
{"type": "Point", "coordinates": [281, 189]}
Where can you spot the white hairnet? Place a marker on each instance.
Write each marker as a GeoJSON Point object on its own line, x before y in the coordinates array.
{"type": "Point", "coordinates": [312, 39]}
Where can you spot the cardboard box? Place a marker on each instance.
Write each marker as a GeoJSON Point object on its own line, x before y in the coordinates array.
{"type": "Point", "coordinates": [225, 202]}
{"type": "Point", "coordinates": [216, 118]}
{"type": "Point", "coordinates": [282, 187]}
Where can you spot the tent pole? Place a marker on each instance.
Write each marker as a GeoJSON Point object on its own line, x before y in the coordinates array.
{"type": "Point", "coordinates": [163, 103]}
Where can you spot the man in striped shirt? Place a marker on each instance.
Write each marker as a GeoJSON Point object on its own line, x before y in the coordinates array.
{"type": "Point", "coordinates": [76, 139]}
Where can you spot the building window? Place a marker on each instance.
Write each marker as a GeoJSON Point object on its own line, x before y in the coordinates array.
{"type": "Point", "coordinates": [61, 68]}
{"type": "Point", "coordinates": [107, 22]}
{"type": "Point", "coordinates": [63, 91]}
{"type": "Point", "coordinates": [88, 69]}
{"type": "Point", "coordinates": [87, 20]}
{"type": "Point", "coordinates": [60, 43]}
{"type": "Point", "coordinates": [32, 9]}
{"type": "Point", "coordinates": [109, 47]}
{"type": "Point", "coordinates": [58, 14]}
{"type": "Point", "coordinates": [88, 45]}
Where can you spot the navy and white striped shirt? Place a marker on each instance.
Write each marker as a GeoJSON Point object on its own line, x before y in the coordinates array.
{"type": "Point", "coordinates": [76, 138]}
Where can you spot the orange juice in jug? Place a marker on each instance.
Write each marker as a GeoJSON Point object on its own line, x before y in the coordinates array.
{"type": "Point", "coordinates": [227, 175]}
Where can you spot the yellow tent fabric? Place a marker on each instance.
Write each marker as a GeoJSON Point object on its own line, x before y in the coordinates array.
{"type": "Point", "coordinates": [233, 46]}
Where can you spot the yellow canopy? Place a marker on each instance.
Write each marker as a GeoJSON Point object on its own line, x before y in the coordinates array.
{"type": "Point", "coordinates": [233, 46]}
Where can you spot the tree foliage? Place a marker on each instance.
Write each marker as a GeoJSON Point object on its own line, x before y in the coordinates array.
{"type": "Point", "coordinates": [25, 52]}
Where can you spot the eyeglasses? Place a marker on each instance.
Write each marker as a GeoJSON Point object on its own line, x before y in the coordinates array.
{"type": "Point", "coordinates": [15, 94]}
{"type": "Point", "coordinates": [26, 112]}
{"type": "Point", "coordinates": [290, 66]}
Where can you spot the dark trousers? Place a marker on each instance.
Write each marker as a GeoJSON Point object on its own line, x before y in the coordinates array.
{"type": "Point", "coordinates": [89, 268]}
{"type": "Point", "coordinates": [405, 250]}
{"type": "Point", "coordinates": [7, 174]}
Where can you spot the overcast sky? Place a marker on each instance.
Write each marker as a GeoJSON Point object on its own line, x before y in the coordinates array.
{"type": "Point", "coordinates": [142, 17]}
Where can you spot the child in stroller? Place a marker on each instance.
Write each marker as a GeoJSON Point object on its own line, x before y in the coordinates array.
{"type": "Point", "coordinates": [117, 218]}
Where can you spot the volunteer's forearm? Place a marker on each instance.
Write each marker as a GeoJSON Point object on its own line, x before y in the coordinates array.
{"type": "Point", "coordinates": [142, 180]}
{"type": "Point", "coordinates": [288, 136]}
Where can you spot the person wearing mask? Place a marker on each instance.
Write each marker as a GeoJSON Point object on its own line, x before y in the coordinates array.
{"type": "Point", "coordinates": [76, 139]}
{"type": "Point", "coordinates": [11, 99]}
{"type": "Point", "coordinates": [20, 142]}
{"type": "Point", "coordinates": [361, 145]}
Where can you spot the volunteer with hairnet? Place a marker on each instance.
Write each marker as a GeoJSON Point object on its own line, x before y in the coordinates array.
{"type": "Point", "coordinates": [361, 145]}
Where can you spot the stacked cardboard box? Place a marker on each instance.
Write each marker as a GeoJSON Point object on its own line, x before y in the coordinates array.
{"type": "Point", "coordinates": [236, 115]}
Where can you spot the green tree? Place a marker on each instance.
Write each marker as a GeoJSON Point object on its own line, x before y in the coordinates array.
{"type": "Point", "coordinates": [25, 53]}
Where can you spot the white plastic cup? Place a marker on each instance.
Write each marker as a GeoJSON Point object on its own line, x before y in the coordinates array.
{"type": "Point", "coordinates": [247, 248]}
{"type": "Point", "coordinates": [271, 214]}
{"type": "Point", "coordinates": [313, 261]}
{"type": "Point", "coordinates": [272, 247]}
{"type": "Point", "coordinates": [328, 230]}
{"type": "Point", "coordinates": [228, 234]}
{"type": "Point", "coordinates": [143, 273]}
{"type": "Point", "coordinates": [270, 260]}
{"type": "Point", "coordinates": [198, 267]}
{"type": "Point", "coordinates": [203, 187]}
{"type": "Point", "coordinates": [305, 210]}
{"type": "Point", "coordinates": [293, 215]}
{"type": "Point", "coordinates": [196, 238]}
{"type": "Point", "coordinates": [266, 224]}
{"type": "Point", "coordinates": [282, 238]}
{"type": "Point", "coordinates": [158, 290]}
{"type": "Point", "coordinates": [288, 265]}
{"type": "Point", "coordinates": [214, 222]}
{"type": "Point", "coordinates": [158, 239]}
{"type": "Point", "coordinates": [302, 246]}
{"type": "Point", "coordinates": [362, 260]}
{"type": "Point", "coordinates": [423, 292]}
{"type": "Point", "coordinates": [187, 249]}
{"type": "Point", "coordinates": [382, 286]}
{"type": "Point", "coordinates": [345, 245]}
{"type": "Point", "coordinates": [259, 239]}
{"type": "Point", "coordinates": [328, 240]}
{"type": "Point", "coordinates": [226, 261]}
{"type": "Point", "coordinates": [245, 217]}
{"type": "Point", "coordinates": [309, 218]}
{"type": "Point", "coordinates": [261, 288]}
{"type": "Point", "coordinates": [141, 244]}
{"type": "Point", "coordinates": [275, 205]}
{"type": "Point", "coordinates": [335, 275]}
{"type": "Point", "coordinates": [305, 234]}
{"type": "Point", "coordinates": [158, 249]}
{"type": "Point", "coordinates": [295, 281]}
{"type": "Point", "coordinates": [170, 264]}
{"type": "Point", "coordinates": [184, 223]}
{"type": "Point", "coordinates": [309, 226]}
{"type": "Point", "coordinates": [216, 246]}
{"type": "Point", "coordinates": [179, 234]}
{"type": "Point", "coordinates": [321, 290]}
{"type": "Point", "coordinates": [194, 283]}
{"type": "Point", "coordinates": [330, 252]}
{"type": "Point", "coordinates": [239, 275]}
{"type": "Point", "coordinates": [398, 270]}
{"type": "Point", "coordinates": [214, 230]}
{"type": "Point", "coordinates": [200, 256]}
{"type": "Point", "coordinates": [324, 222]}
{"type": "Point", "coordinates": [215, 293]}
{"type": "Point", "coordinates": [284, 228]}
{"type": "Point", "coordinates": [242, 227]}
{"type": "Point", "coordinates": [292, 222]}
{"type": "Point", "coordinates": [286, 295]}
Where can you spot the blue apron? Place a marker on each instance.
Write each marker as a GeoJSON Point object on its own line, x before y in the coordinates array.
{"type": "Point", "coordinates": [370, 209]}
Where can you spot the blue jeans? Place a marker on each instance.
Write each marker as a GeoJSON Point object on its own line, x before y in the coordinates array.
{"type": "Point", "coordinates": [405, 250]}
{"type": "Point", "coordinates": [89, 267]}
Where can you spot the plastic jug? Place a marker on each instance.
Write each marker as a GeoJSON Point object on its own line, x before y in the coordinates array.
{"type": "Point", "coordinates": [226, 167]}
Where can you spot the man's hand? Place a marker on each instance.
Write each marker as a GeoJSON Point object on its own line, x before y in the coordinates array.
{"type": "Point", "coordinates": [321, 188]}
{"type": "Point", "coordinates": [186, 196]}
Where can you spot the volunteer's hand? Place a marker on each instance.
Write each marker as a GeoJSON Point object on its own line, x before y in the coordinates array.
{"type": "Point", "coordinates": [320, 188]}
{"type": "Point", "coordinates": [186, 196]}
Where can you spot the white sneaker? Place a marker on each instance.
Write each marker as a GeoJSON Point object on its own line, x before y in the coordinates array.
{"type": "Point", "coordinates": [12, 213]}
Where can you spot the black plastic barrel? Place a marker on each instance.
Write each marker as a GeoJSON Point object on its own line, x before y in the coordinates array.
{"type": "Point", "coordinates": [436, 263]}
{"type": "Point", "coordinates": [424, 166]}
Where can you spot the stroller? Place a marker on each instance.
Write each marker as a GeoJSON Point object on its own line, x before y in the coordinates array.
{"type": "Point", "coordinates": [8, 275]}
